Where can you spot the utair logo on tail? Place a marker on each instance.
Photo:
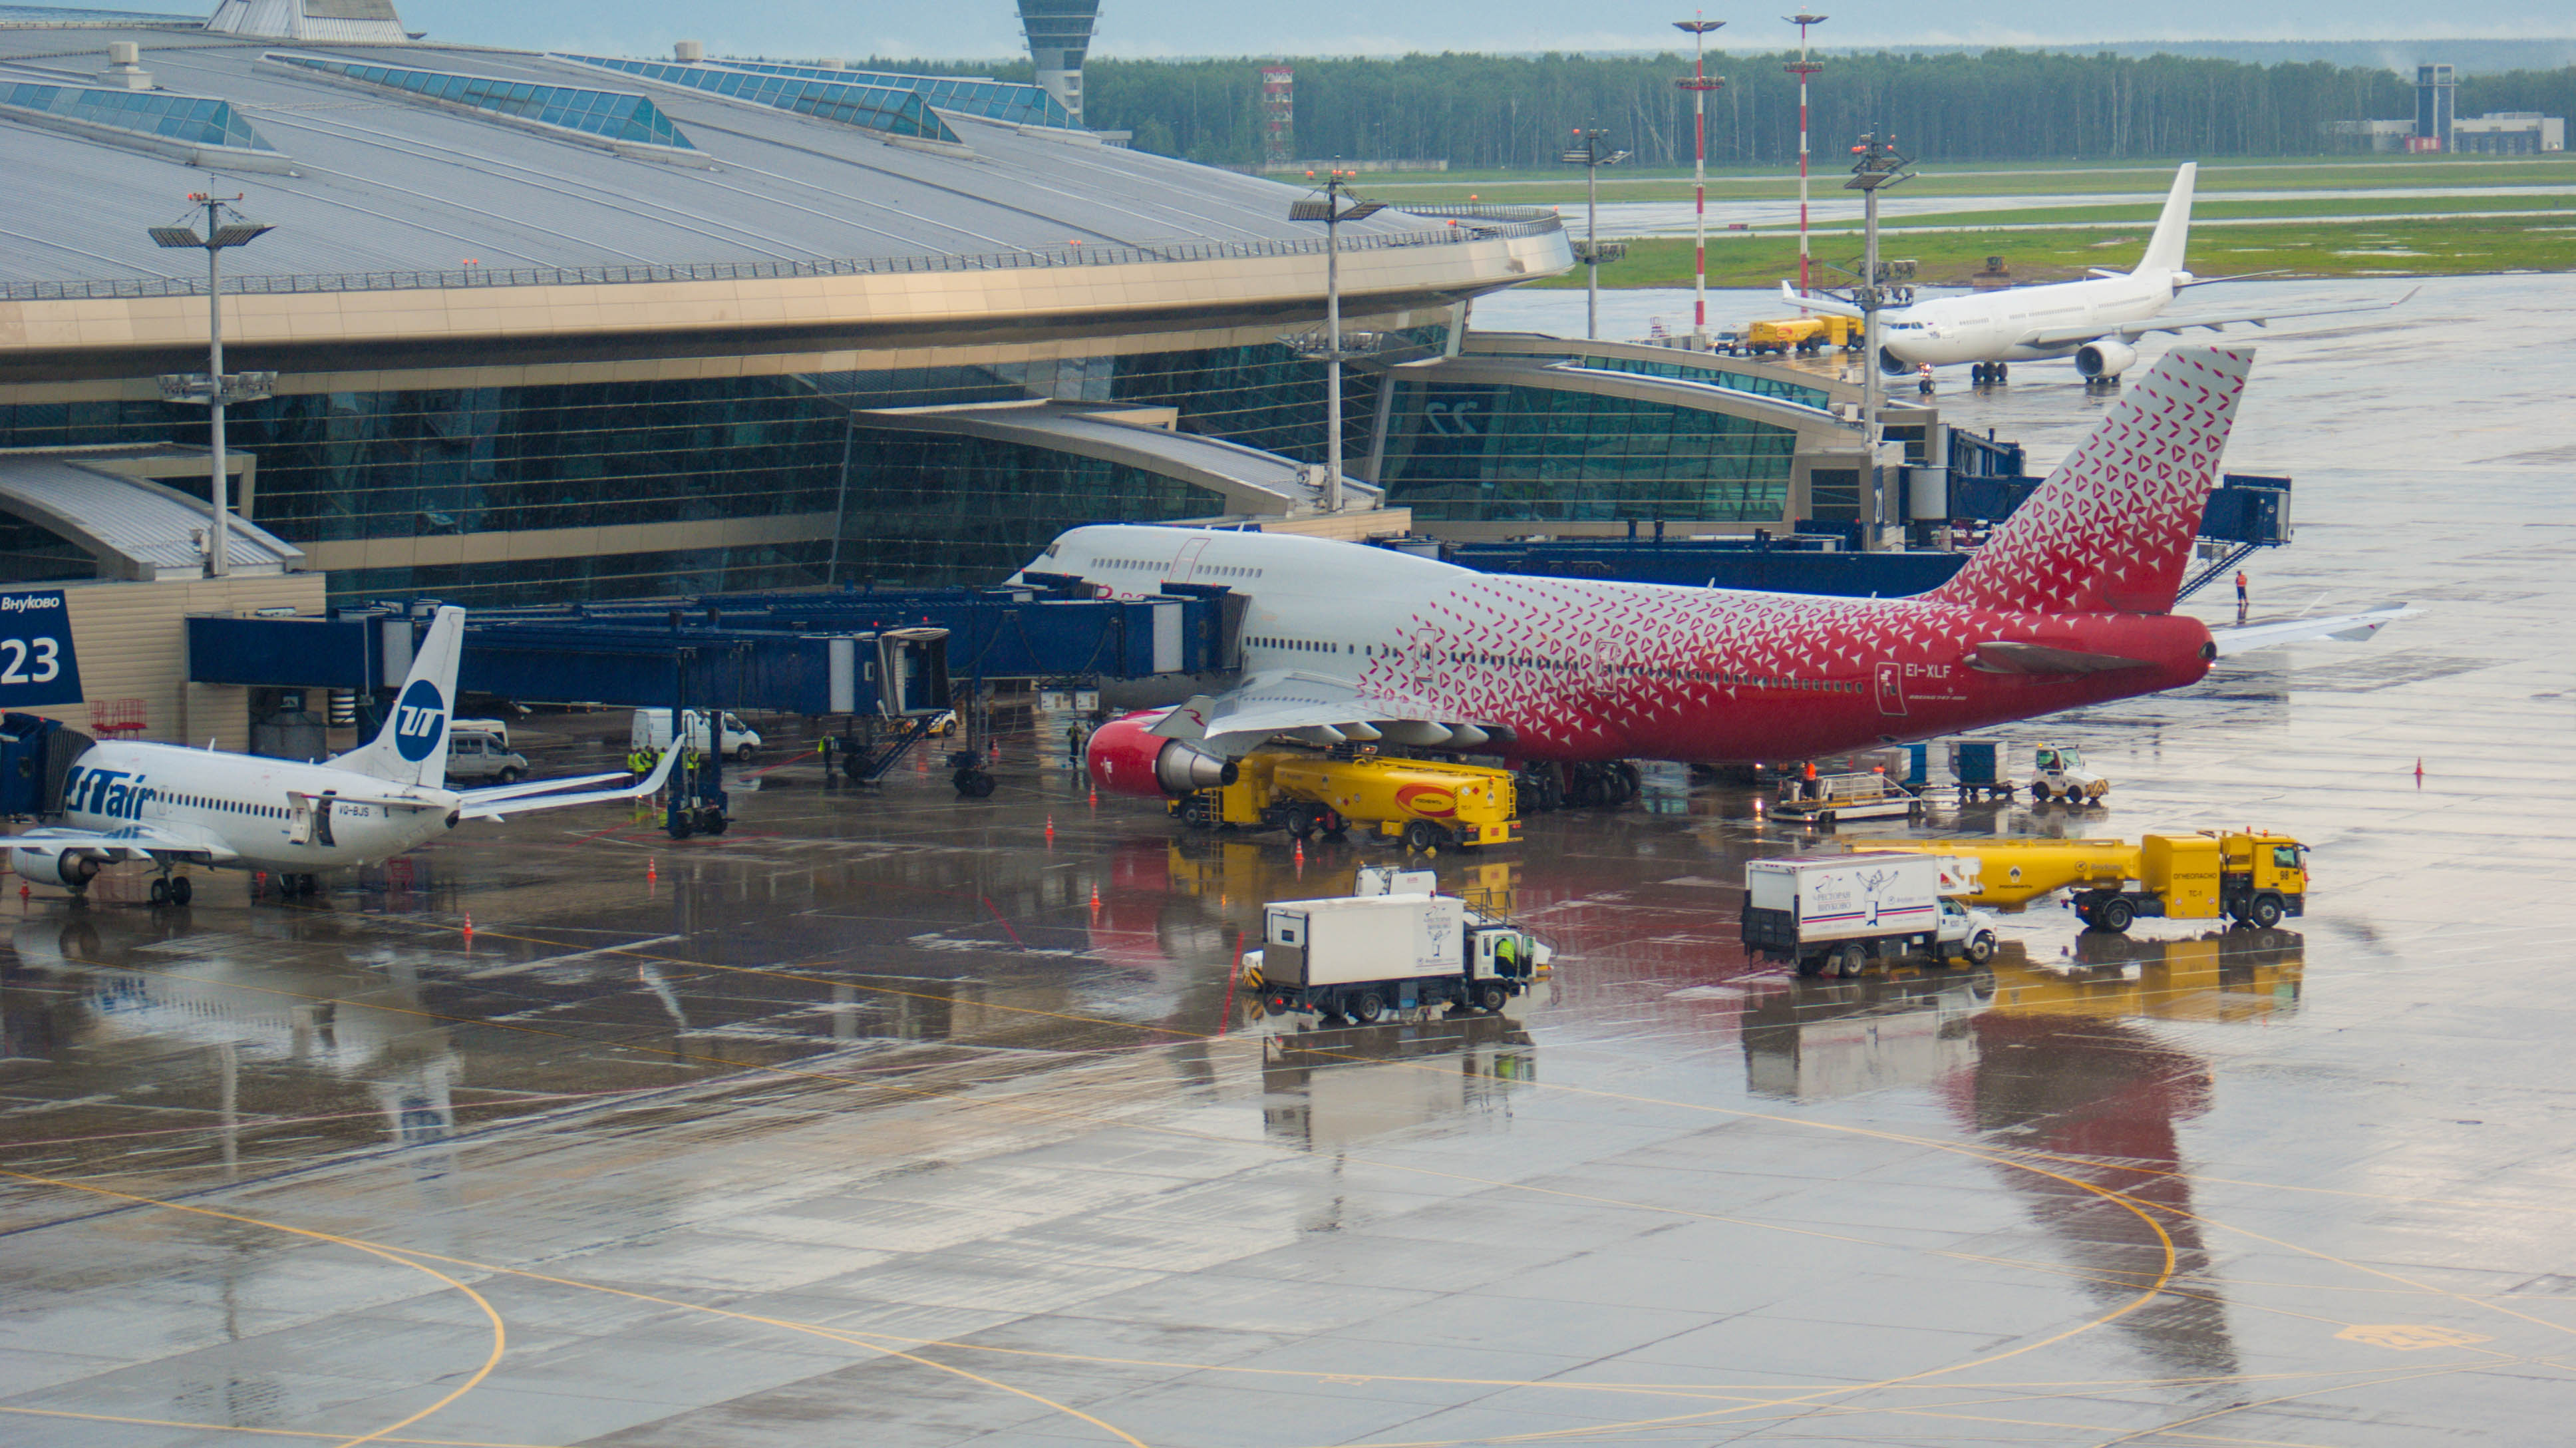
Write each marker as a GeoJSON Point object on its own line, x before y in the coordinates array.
{"type": "Point", "coordinates": [420, 720]}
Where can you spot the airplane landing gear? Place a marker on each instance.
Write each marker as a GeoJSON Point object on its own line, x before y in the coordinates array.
{"type": "Point", "coordinates": [173, 890]}
{"type": "Point", "coordinates": [1990, 374]}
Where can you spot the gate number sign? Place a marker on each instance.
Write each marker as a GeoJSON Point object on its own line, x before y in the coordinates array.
{"type": "Point", "coordinates": [36, 663]}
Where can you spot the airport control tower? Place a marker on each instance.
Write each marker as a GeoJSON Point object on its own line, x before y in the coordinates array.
{"type": "Point", "coordinates": [1059, 34]}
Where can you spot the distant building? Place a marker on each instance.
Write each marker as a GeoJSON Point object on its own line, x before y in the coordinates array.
{"type": "Point", "coordinates": [2509, 133]}
{"type": "Point", "coordinates": [2437, 128]}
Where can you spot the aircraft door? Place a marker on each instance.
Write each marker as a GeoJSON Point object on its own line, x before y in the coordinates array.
{"type": "Point", "coordinates": [322, 822]}
{"type": "Point", "coordinates": [299, 820]}
{"type": "Point", "coordinates": [1187, 563]}
{"type": "Point", "coordinates": [1891, 689]}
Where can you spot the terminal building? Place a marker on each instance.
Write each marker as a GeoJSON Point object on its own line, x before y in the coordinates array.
{"type": "Point", "coordinates": [573, 326]}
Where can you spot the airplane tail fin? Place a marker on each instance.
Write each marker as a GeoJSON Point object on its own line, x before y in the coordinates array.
{"type": "Point", "coordinates": [412, 747]}
{"type": "Point", "coordinates": [2112, 529]}
{"type": "Point", "coordinates": [2173, 228]}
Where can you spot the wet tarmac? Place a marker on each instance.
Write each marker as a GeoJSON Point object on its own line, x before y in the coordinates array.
{"type": "Point", "coordinates": [891, 1119]}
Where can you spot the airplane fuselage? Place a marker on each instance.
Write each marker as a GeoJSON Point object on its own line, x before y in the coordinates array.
{"type": "Point", "coordinates": [2002, 326]}
{"type": "Point", "coordinates": [1585, 670]}
{"type": "Point", "coordinates": [249, 805]}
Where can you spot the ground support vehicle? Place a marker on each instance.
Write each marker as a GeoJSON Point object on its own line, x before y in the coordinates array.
{"type": "Point", "coordinates": [477, 756]}
{"type": "Point", "coordinates": [2058, 773]}
{"type": "Point", "coordinates": [1977, 767]}
{"type": "Point", "coordinates": [1803, 335]}
{"type": "Point", "coordinates": [1836, 913]}
{"type": "Point", "coordinates": [1425, 804]}
{"type": "Point", "coordinates": [1829, 799]}
{"type": "Point", "coordinates": [651, 734]}
{"type": "Point", "coordinates": [1357, 957]}
{"type": "Point", "coordinates": [2253, 877]}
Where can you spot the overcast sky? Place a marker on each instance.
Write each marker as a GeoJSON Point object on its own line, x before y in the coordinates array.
{"type": "Point", "coordinates": [984, 28]}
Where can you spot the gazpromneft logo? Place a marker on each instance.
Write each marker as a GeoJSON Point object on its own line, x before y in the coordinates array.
{"type": "Point", "coordinates": [420, 720]}
{"type": "Point", "coordinates": [1427, 799]}
{"type": "Point", "coordinates": [115, 794]}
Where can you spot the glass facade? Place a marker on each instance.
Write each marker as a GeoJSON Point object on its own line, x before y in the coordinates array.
{"type": "Point", "coordinates": [614, 115]}
{"type": "Point", "coordinates": [1477, 453]}
{"type": "Point", "coordinates": [194, 119]}
{"type": "Point", "coordinates": [895, 111]}
{"type": "Point", "coordinates": [1000, 100]}
{"type": "Point", "coordinates": [934, 508]}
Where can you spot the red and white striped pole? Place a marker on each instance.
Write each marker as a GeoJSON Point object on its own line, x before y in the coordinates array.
{"type": "Point", "coordinates": [1803, 69]}
{"type": "Point", "coordinates": [1699, 85]}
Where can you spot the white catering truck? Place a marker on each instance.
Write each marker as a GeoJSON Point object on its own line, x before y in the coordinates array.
{"type": "Point", "coordinates": [1362, 955]}
{"type": "Point", "coordinates": [1837, 912]}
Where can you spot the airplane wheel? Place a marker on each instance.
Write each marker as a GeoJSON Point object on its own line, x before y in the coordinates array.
{"type": "Point", "coordinates": [160, 892]}
{"type": "Point", "coordinates": [181, 891]}
{"type": "Point", "coordinates": [2003, 372]}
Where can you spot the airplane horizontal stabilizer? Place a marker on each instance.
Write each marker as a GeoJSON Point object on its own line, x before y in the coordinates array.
{"type": "Point", "coordinates": [1818, 302]}
{"type": "Point", "coordinates": [2012, 656]}
{"type": "Point", "coordinates": [489, 808]}
{"type": "Point", "coordinates": [2351, 628]}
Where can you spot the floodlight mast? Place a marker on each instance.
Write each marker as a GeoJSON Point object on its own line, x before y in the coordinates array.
{"type": "Point", "coordinates": [218, 389]}
{"type": "Point", "coordinates": [1699, 84]}
{"type": "Point", "coordinates": [1803, 69]}
{"type": "Point", "coordinates": [1587, 153]}
{"type": "Point", "coordinates": [1880, 165]}
{"type": "Point", "coordinates": [1332, 213]}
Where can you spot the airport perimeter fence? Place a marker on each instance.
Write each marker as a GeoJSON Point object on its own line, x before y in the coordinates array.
{"type": "Point", "coordinates": [1488, 223]}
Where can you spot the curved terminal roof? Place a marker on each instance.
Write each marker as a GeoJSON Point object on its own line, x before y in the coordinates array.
{"type": "Point", "coordinates": [134, 527]}
{"type": "Point", "coordinates": [406, 186]}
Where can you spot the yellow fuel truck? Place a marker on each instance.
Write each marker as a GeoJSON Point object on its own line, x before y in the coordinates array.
{"type": "Point", "coordinates": [1425, 804]}
{"type": "Point", "coordinates": [2251, 876]}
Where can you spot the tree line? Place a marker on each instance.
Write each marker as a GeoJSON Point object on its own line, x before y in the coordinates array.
{"type": "Point", "coordinates": [1492, 111]}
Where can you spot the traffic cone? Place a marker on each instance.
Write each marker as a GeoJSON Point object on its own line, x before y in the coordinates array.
{"type": "Point", "coordinates": [651, 871]}
{"type": "Point", "coordinates": [469, 929]}
{"type": "Point", "coordinates": [1301, 854]}
{"type": "Point", "coordinates": [1050, 834]}
{"type": "Point", "coordinates": [1095, 799]}
{"type": "Point", "coordinates": [2419, 771]}
{"type": "Point", "coordinates": [1095, 899]}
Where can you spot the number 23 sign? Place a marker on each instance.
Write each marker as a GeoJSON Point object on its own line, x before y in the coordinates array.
{"type": "Point", "coordinates": [36, 663]}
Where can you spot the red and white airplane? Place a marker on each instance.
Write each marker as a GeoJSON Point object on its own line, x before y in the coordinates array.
{"type": "Point", "coordinates": [2069, 604]}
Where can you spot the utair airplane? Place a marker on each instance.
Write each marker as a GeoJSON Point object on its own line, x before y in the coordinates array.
{"type": "Point", "coordinates": [2097, 322]}
{"type": "Point", "coordinates": [173, 805]}
{"type": "Point", "coordinates": [2070, 603]}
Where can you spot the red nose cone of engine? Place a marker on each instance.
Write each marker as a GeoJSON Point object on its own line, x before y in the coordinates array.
{"type": "Point", "coordinates": [1121, 755]}
{"type": "Point", "coordinates": [1124, 759]}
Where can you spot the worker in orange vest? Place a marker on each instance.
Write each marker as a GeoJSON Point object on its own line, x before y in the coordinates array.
{"type": "Point", "coordinates": [1814, 790]}
{"type": "Point", "coordinates": [2244, 600]}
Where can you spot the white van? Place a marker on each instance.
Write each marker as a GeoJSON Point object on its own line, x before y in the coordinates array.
{"type": "Point", "coordinates": [652, 732]}
{"type": "Point", "coordinates": [475, 755]}
{"type": "Point", "coordinates": [498, 729]}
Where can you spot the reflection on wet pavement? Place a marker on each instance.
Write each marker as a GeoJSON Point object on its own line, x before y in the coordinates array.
{"type": "Point", "coordinates": [891, 1119]}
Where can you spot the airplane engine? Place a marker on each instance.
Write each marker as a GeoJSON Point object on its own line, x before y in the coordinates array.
{"type": "Point", "coordinates": [1124, 759]}
{"type": "Point", "coordinates": [2108, 358]}
{"type": "Point", "coordinates": [65, 868]}
{"type": "Point", "coordinates": [1893, 365]}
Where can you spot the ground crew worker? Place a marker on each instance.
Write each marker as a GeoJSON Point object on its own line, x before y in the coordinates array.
{"type": "Point", "coordinates": [1075, 736]}
{"type": "Point", "coordinates": [2244, 600]}
{"type": "Point", "coordinates": [1814, 788]}
{"type": "Point", "coordinates": [1507, 957]}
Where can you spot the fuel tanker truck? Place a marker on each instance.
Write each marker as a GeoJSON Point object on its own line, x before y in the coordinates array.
{"type": "Point", "coordinates": [2254, 877]}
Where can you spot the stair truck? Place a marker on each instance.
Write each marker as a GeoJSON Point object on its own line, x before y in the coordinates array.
{"type": "Point", "coordinates": [1360, 956]}
{"type": "Point", "coordinates": [1836, 913]}
{"type": "Point", "coordinates": [1423, 803]}
{"type": "Point", "coordinates": [2253, 877]}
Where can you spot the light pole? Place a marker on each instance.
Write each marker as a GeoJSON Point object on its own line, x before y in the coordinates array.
{"type": "Point", "coordinates": [1332, 213]}
{"type": "Point", "coordinates": [1586, 152]}
{"type": "Point", "coordinates": [1880, 166]}
{"type": "Point", "coordinates": [1699, 84]}
{"type": "Point", "coordinates": [1803, 69]}
{"type": "Point", "coordinates": [214, 388]}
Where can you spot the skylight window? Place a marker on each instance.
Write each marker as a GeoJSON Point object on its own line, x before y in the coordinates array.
{"type": "Point", "coordinates": [895, 111]}
{"type": "Point", "coordinates": [618, 116]}
{"type": "Point", "coordinates": [196, 120]}
{"type": "Point", "coordinates": [998, 100]}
